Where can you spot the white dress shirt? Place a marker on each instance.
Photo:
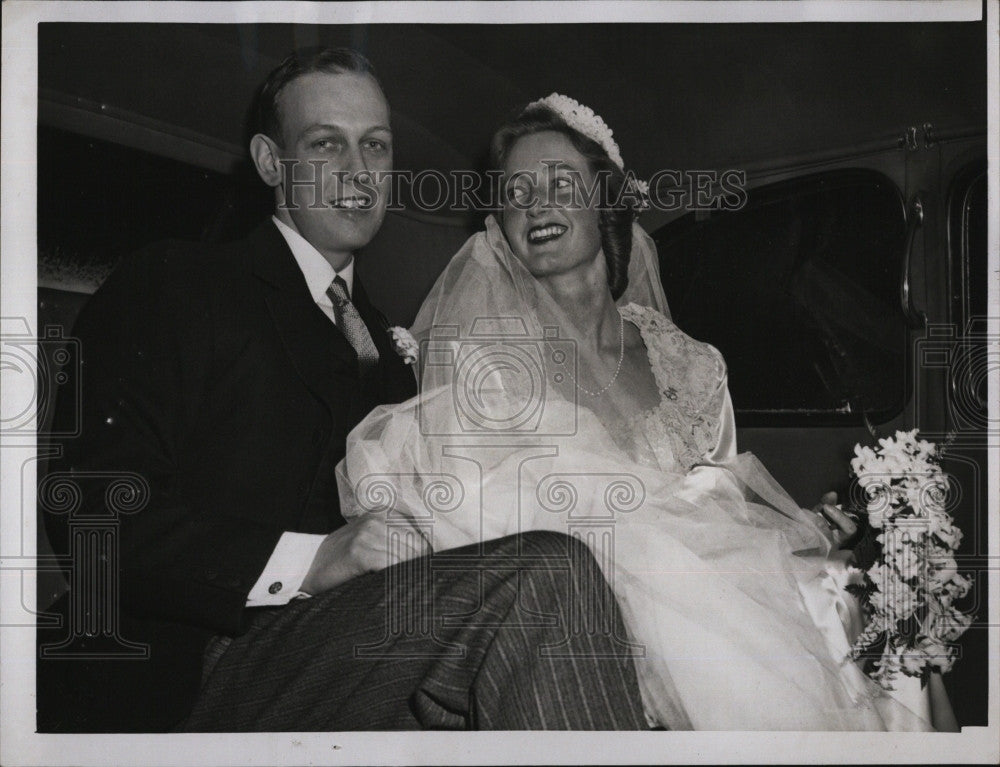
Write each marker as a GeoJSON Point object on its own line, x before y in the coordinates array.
{"type": "Point", "coordinates": [289, 563]}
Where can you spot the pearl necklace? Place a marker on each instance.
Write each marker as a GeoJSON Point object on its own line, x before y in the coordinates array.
{"type": "Point", "coordinates": [621, 358]}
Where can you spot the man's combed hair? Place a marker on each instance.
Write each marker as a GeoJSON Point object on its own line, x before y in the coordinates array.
{"type": "Point", "coordinates": [615, 216]}
{"type": "Point", "coordinates": [333, 61]}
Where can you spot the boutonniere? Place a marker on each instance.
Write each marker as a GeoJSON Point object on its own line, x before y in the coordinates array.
{"type": "Point", "coordinates": [405, 344]}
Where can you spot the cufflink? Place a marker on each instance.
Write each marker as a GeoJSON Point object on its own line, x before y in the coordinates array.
{"type": "Point", "coordinates": [275, 587]}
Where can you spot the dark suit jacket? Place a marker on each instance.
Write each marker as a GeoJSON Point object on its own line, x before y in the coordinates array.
{"type": "Point", "coordinates": [210, 372]}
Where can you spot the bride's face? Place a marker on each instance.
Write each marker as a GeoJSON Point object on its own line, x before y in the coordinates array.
{"type": "Point", "coordinates": [550, 223]}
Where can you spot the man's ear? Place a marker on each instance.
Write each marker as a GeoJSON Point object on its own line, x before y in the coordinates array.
{"type": "Point", "coordinates": [264, 152]}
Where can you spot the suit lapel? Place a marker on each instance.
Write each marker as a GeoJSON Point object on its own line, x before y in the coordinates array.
{"type": "Point", "coordinates": [394, 380]}
{"type": "Point", "coordinates": [318, 350]}
{"type": "Point", "coordinates": [379, 330]}
{"type": "Point", "coordinates": [376, 323]}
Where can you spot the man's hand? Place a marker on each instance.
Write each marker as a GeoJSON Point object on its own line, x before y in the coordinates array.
{"type": "Point", "coordinates": [359, 547]}
{"type": "Point", "coordinates": [843, 527]}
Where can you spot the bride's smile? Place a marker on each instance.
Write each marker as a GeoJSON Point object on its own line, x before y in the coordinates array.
{"type": "Point", "coordinates": [545, 233]}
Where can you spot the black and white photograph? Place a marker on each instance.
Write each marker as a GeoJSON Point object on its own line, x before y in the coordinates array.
{"type": "Point", "coordinates": [480, 382]}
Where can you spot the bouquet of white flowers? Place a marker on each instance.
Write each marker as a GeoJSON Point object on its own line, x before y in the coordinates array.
{"type": "Point", "coordinates": [909, 593]}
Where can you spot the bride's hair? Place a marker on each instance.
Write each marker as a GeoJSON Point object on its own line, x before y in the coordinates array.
{"type": "Point", "coordinates": [615, 217]}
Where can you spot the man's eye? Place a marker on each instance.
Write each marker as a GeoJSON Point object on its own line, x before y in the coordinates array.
{"type": "Point", "coordinates": [562, 183]}
{"type": "Point", "coordinates": [375, 145]}
{"type": "Point", "coordinates": [325, 144]}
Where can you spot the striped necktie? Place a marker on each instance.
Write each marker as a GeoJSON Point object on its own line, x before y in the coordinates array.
{"type": "Point", "coordinates": [352, 326]}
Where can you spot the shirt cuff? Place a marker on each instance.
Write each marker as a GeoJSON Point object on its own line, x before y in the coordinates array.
{"type": "Point", "coordinates": [281, 581]}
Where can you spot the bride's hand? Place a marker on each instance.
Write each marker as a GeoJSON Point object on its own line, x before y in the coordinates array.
{"type": "Point", "coordinates": [844, 528]}
{"type": "Point", "coordinates": [362, 546]}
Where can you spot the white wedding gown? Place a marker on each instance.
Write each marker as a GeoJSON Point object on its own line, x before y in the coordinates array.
{"type": "Point", "coordinates": [725, 584]}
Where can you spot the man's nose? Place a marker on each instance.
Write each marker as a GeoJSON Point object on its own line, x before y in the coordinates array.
{"type": "Point", "coordinates": [354, 162]}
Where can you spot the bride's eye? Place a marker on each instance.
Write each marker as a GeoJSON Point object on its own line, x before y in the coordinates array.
{"type": "Point", "coordinates": [563, 190]}
{"type": "Point", "coordinates": [519, 195]}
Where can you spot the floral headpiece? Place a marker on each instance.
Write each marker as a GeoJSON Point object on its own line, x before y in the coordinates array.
{"type": "Point", "coordinates": [585, 120]}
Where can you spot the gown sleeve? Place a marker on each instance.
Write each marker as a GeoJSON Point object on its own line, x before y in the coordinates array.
{"type": "Point", "coordinates": [725, 447]}
{"type": "Point", "coordinates": [711, 476]}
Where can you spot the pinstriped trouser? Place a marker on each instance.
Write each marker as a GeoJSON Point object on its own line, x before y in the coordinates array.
{"type": "Point", "coordinates": [521, 633]}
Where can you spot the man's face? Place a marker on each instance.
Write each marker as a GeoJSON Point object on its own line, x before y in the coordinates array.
{"type": "Point", "coordinates": [334, 127]}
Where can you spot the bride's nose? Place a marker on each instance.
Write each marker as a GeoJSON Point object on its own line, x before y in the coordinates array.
{"type": "Point", "coordinates": [534, 206]}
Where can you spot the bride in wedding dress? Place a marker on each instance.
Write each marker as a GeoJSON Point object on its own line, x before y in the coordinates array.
{"type": "Point", "coordinates": [557, 394]}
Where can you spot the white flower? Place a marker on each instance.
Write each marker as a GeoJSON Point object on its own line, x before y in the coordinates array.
{"type": "Point", "coordinates": [936, 653]}
{"type": "Point", "coordinates": [895, 596]}
{"type": "Point", "coordinates": [941, 572]}
{"type": "Point", "coordinates": [941, 526]}
{"type": "Point", "coordinates": [912, 661]}
{"type": "Point", "coordinates": [934, 495]}
{"type": "Point", "coordinates": [876, 518]}
{"type": "Point", "coordinates": [640, 189]}
{"type": "Point", "coordinates": [886, 668]}
{"type": "Point", "coordinates": [405, 344]}
{"type": "Point", "coordinates": [958, 587]}
{"type": "Point", "coordinates": [904, 544]}
{"type": "Point", "coordinates": [949, 625]}
{"type": "Point", "coordinates": [950, 535]}
{"type": "Point", "coordinates": [913, 494]}
{"type": "Point", "coordinates": [865, 458]}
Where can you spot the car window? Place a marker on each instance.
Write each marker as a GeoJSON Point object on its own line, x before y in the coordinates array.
{"type": "Point", "coordinates": [799, 291]}
{"type": "Point", "coordinates": [130, 198]}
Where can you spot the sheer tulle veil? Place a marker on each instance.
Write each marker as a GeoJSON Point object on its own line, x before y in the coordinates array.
{"type": "Point", "coordinates": [487, 273]}
{"type": "Point", "coordinates": [487, 292]}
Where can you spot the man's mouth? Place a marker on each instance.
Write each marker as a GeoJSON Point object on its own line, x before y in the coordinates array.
{"type": "Point", "coordinates": [539, 234]}
{"type": "Point", "coordinates": [352, 202]}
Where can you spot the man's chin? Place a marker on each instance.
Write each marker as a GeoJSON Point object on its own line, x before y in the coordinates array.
{"type": "Point", "coordinates": [345, 231]}
{"type": "Point", "coordinates": [355, 234]}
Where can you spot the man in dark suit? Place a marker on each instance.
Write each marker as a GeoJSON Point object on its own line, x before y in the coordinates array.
{"type": "Point", "coordinates": [223, 380]}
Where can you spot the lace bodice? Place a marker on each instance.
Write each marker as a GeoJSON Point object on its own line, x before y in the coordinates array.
{"type": "Point", "coordinates": [691, 378]}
